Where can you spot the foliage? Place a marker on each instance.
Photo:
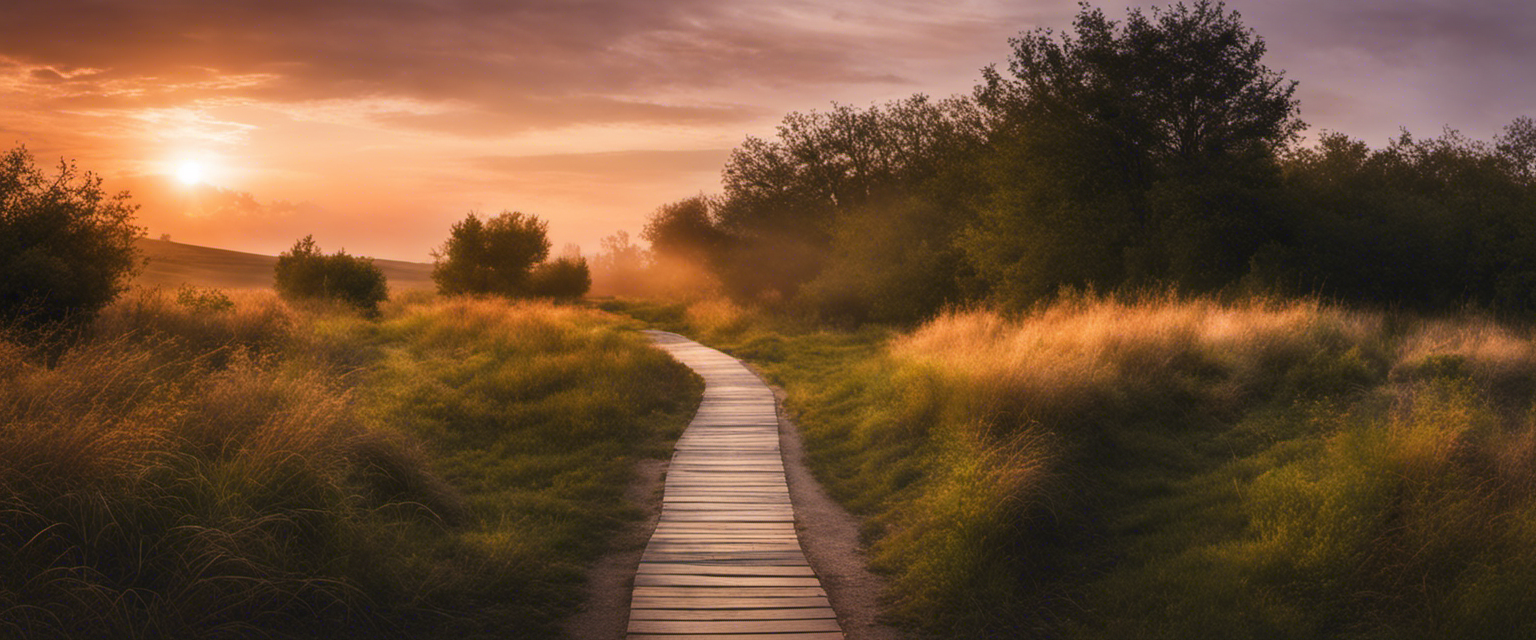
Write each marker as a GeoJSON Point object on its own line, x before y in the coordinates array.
{"type": "Point", "coordinates": [1155, 152]}
{"type": "Point", "coordinates": [1426, 223]}
{"type": "Point", "coordinates": [202, 300]}
{"type": "Point", "coordinates": [785, 199]}
{"type": "Point", "coordinates": [66, 246]}
{"type": "Point", "coordinates": [1132, 154]}
{"type": "Point", "coordinates": [687, 247]}
{"type": "Point", "coordinates": [304, 272]}
{"type": "Point", "coordinates": [563, 278]}
{"type": "Point", "coordinates": [891, 262]}
{"type": "Point", "coordinates": [685, 231]}
{"type": "Point", "coordinates": [493, 256]}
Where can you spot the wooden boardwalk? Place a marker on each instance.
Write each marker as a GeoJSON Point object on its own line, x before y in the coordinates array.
{"type": "Point", "coordinates": [724, 561]}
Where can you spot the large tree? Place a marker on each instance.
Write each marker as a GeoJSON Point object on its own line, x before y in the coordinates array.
{"type": "Point", "coordinates": [66, 245]}
{"type": "Point", "coordinates": [1132, 152]}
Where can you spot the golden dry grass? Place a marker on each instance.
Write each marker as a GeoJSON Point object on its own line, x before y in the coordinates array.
{"type": "Point", "coordinates": [1167, 467]}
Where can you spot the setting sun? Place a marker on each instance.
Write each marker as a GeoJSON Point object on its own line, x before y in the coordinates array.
{"type": "Point", "coordinates": [191, 172]}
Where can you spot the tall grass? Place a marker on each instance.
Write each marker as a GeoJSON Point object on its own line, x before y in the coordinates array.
{"type": "Point", "coordinates": [198, 469]}
{"type": "Point", "coordinates": [1167, 467]}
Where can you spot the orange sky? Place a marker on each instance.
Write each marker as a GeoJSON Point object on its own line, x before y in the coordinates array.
{"type": "Point", "coordinates": [373, 124]}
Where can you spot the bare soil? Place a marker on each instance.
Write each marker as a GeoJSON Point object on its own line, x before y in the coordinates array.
{"type": "Point", "coordinates": [604, 613]}
{"type": "Point", "coordinates": [830, 537]}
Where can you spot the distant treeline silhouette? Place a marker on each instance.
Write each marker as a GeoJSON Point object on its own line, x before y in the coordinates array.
{"type": "Point", "coordinates": [1154, 152]}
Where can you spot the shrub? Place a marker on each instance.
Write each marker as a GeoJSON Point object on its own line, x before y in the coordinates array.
{"type": "Point", "coordinates": [204, 300]}
{"type": "Point", "coordinates": [494, 256]}
{"type": "Point", "coordinates": [305, 272]}
{"type": "Point", "coordinates": [562, 278]}
{"type": "Point", "coordinates": [66, 246]}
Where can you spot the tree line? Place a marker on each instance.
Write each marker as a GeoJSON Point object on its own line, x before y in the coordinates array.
{"type": "Point", "coordinates": [1157, 151]}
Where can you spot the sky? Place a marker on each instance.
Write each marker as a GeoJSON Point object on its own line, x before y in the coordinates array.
{"type": "Point", "coordinates": [375, 124]}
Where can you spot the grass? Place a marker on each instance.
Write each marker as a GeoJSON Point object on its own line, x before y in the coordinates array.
{"type": "Point", "coordinates": [197, 468]}
{"type": "Point", "coordinates": [1167, 467]}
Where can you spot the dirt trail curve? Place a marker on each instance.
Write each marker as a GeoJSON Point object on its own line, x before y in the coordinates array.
{"type": "Point", "coordinates": [724, 558]}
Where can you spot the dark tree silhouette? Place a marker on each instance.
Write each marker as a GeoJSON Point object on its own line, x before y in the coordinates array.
{"type": "Point", "coordinates": [66, 246]}
{"type": "Point", "coordinates": [1142, 152]}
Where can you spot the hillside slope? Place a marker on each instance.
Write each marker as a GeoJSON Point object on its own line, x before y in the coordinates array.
{"type": "Point", "coordinates": [172, 264]}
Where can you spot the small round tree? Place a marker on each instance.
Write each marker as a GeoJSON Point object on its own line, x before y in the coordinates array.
{"type": "Point", "coordinates": [565, 278]}
{"type": "Point", "coordinates": [305, 272]}
{"type": "Point", "coordinates": [66, 246]}
{"type": "Point", "coordinates": [494, 256]}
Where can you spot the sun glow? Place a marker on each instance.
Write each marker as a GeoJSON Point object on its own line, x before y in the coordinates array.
{"type": "Point", "coordinates": [191, 172]}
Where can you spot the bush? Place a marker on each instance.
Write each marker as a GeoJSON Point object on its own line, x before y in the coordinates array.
{"type": "Point", "coordinates": [562, 278]}
{"type": "Point", "coordinates": [66, 246]}
{"type": "Point", "coordinates": [204, 300]}
{"type": "Point", "coordinates": [494, 256]}
{"type": "Point", "coordinates": [305, 272]}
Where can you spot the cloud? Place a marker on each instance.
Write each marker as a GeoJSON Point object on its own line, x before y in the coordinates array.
{"type": "Point", "coordinates": [511, 58]}
{"type": "Point", "coordinates": [531, 114]}
{"type": "Point", "coordinates": [636, 164]}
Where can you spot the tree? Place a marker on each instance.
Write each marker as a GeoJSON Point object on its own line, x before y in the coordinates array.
{"type": "Point", "coordinates": [620, 269]}
{"type": "Point", "coordinates": [1134, 153]}
{"type": "Point", "coordinates": [685, 231]}
{"type": "Point", "coordinates": [304, 272]}
{"type": "Point", "coordinates": [66, 246]}
{"type": "Point", "coordinates": [1423, 223]}
{"type": "Point", "coordinates": [493, 256]}
{"type": "Point", "coordinates": [564, 278]}
{"type": "Point", "coordinates": [785, 199]}
{"type": "Point", "coordinates": [689, 251]}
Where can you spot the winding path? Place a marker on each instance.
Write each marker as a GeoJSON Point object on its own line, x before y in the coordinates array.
{"type": "Point", "coordinates": [724, 561]}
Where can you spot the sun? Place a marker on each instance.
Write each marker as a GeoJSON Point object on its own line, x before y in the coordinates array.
{"type": "Point", "coordinates": [191, 172]}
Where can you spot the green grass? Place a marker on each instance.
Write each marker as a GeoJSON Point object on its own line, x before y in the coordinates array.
{"type": "Point", "coordinates": [1172, 468]}
{"type": "Point", "coordinates": [449, 469]}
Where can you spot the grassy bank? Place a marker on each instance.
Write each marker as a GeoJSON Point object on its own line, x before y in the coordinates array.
{"type": "Point", "coordinates": [1168, 468]}
{"type": "Point", "coordinates": [193, 468]}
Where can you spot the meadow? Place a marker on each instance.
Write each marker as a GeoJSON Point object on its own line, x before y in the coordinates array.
{"type": "Point", "coordinates": [211, 464]}
{"type": "Point", "coordinates": [1171, 467]}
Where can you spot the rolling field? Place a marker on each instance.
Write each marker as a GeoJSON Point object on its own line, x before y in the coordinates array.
{"type": "Point", "coordinates": [172, 264]}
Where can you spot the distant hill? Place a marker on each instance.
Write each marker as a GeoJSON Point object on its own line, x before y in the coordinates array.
{"type": "Point", "coordinates": [172, 264]}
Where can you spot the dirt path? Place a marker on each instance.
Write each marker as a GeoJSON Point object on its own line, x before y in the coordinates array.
{"type": "Point", "coordinates": [734, 576]}
{"type": "Point", "coordinates": [830, 537]}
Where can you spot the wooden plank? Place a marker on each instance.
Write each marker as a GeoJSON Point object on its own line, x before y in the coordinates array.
{"type": "Point", "coordinates": [686, 580]}
{"type": "Point", "coordinates": [733, 614]}
{"type": "Point", "coordinates": [730, 626]}
{"type": "Point", "coordinates": [773, 527]}
{"type": "Point", "coordinates": [815, 635]}
{"type": "Point", "coordinates": [694, 603]}
{"type": "Point", "coordinates": [731, 592]}
{"type": "Point", "coordinates": [722, 570]}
